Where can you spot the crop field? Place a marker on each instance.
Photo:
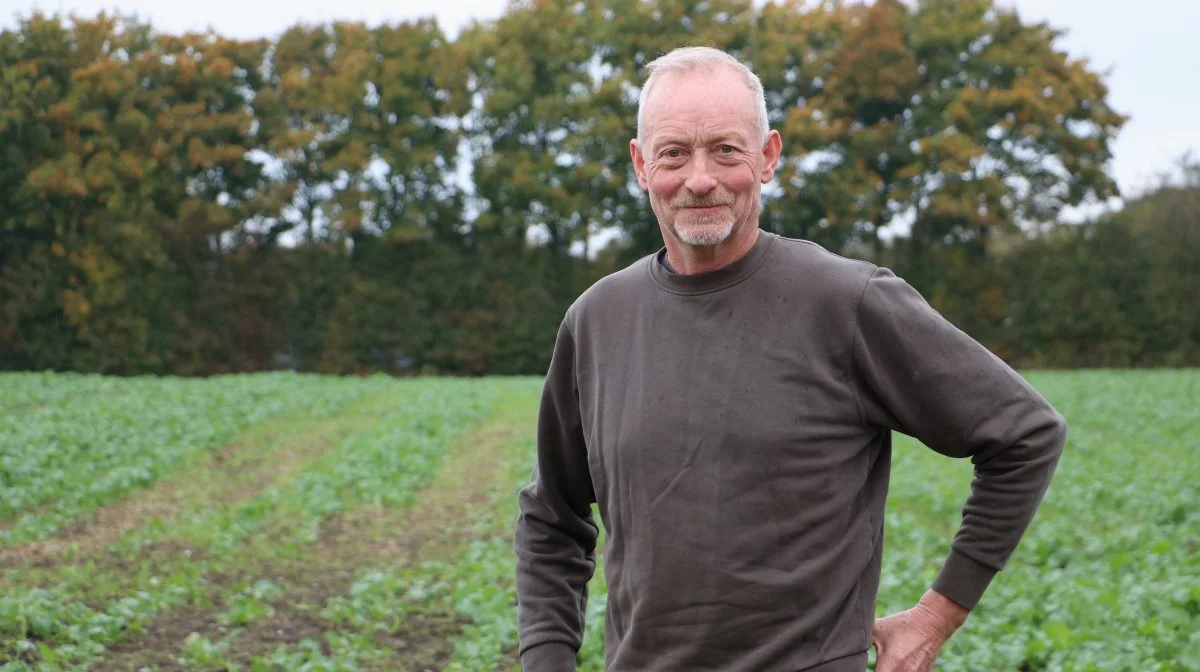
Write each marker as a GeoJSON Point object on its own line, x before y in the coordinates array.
{"type": "Point", "coordinates": [289, 522]}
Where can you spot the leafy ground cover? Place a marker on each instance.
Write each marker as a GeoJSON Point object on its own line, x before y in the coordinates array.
{"type": "Point", "coordinates": [285, 522]}
{"type": "Point", "coordinates": [69, 448]}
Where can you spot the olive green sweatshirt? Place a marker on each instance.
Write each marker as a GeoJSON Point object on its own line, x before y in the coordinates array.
{"type": "Point", "coordinates": [734, 428]}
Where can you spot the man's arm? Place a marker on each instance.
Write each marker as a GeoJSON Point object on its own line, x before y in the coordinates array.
{"type": "Point", "coordinates": [918, 374]}
{"type": "Point", "coordinates": [555, 538]}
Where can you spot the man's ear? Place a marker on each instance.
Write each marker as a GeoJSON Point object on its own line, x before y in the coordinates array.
{"type": "Point", "coordinates": [639, 164]}
{"type": "Point", "coordinates": [772, 149]}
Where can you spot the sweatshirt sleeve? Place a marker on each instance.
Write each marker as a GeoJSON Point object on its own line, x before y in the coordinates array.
{"type": "Point", "coordinates": [918, 374]}
{"type": "Point", "coordinates": [555, 540]}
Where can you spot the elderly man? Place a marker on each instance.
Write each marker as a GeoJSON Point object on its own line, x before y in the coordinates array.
{"type": "Point", "coordinates": [728, 403]}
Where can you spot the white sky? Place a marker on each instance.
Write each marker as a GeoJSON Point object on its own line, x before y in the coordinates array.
{"type": "Point", "coordinates": [1150, 47]}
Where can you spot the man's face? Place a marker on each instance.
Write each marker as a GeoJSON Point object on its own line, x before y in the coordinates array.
{"type": "Point", "coordinates": [703, 160]}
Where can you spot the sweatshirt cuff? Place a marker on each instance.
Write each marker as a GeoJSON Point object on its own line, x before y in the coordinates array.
{"type": "Point", "coordinates": [549, 657]}
{"type": "Point", "coordinates": [963, 580]}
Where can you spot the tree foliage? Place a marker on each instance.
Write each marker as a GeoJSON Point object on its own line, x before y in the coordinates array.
{"type": "Point", "coordinates": [954, 117]}
{"type": "Point", "coordinates": [348, 197]}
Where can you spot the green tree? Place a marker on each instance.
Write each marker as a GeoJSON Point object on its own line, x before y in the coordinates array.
{"type": "Point", "coordinates": [364, 124]}
{"type": "Point", "coordinates": [536, 73]}
{"type": "Point", "coordinates": [129, 155]}
{"type": "Point", "coordinates": [791, 54]}
{"type": "Point", "coordinates": [955, 116]}
{"type": "Point", "coordinates": [1166, 223]}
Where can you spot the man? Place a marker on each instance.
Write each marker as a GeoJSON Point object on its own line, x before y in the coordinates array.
{"type": "Point", "coordinates": [728, 403]}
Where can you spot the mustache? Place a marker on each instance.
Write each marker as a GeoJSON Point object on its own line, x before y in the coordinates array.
{"type": "Point", "coordinates": [700, 203]}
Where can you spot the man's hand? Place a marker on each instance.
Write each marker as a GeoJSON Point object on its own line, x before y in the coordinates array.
{"type": "Point", "coordinates": [910, 640]}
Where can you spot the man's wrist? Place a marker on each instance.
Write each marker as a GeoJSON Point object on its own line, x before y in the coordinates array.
{"type": "Point", "coordinates": [946, 614]}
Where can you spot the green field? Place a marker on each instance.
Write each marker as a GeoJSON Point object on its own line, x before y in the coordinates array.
{"type": "Point", "coordinates": [288, 522]}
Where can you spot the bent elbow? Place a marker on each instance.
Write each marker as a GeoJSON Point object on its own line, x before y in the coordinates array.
{"type": "Point", "coordinates": [1058, 432]}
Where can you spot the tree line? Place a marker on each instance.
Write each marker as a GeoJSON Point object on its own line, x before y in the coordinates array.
{"type": "Point", "coordinates": [346, 198]}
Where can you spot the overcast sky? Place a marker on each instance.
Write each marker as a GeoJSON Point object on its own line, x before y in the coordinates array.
{"type": "Point", "coordinates": [1150, 47]}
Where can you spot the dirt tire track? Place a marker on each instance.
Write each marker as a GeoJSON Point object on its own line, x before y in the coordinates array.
{"type": "Point", "coordinates": [257, 459]}
{"type": "Point", "coordinates": [436, 526]}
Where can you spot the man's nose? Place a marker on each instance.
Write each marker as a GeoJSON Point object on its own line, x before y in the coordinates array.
{"type": "Point", "coordinates": [700, 180]}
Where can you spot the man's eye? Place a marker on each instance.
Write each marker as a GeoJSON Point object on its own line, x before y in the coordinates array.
{"type": "Point", "coordinates": [673, 153]}
{"type": "Point", "coordinates": [725, 149]}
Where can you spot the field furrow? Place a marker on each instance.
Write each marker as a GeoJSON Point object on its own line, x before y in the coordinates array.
{"type": "Point", "coordinates": [283, 599]}
{"type": "Point", "coordinates": [62, 462]}
{"type": "Point", "coordinates": [266, 454]}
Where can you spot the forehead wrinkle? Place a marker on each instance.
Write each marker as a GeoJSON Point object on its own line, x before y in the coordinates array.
{"type": "Point", "coordinates": [702, 134]}
{"type": "Point", "coordinates": [719, 99]}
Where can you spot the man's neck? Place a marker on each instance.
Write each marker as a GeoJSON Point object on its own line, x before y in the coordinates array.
{"type": "Point", "coordinates": [693, 259]}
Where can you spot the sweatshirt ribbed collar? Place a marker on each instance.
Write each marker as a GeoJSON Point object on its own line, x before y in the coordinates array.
{"type": "Point", "coordinates": [712, 281]}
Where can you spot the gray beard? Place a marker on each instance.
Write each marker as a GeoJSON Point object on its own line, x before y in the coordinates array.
{"type": "Point", "coordinates": [704, 235]}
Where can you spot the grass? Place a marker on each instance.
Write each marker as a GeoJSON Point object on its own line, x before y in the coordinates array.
{"type": "Point", "coordinates": [286, 522]}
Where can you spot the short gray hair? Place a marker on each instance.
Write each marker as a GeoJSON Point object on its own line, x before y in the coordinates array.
{"type": "Point", "coordinates": [688, 59]}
